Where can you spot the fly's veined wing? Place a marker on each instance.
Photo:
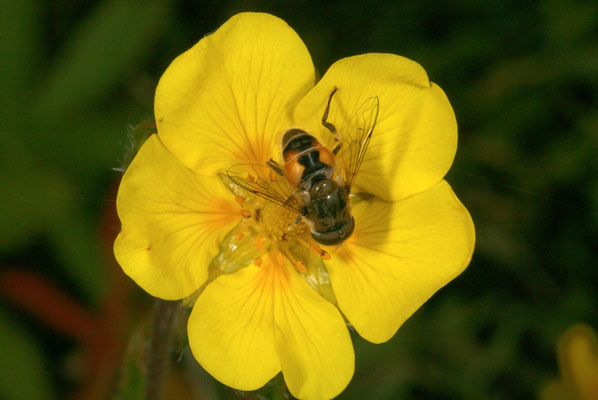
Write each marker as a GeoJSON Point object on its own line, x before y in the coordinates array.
{"type": "Point", "coordinates": [356, 137]}
{"type": "Point", "coordinates": [262, 181]}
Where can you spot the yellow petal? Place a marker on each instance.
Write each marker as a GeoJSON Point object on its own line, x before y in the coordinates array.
{"type": "Point", "coordinates": [399, 255]}
{"type": "Point", "coordinates": [227, 99]}
{"type": "Point", "coordinates": [313, 342]}
{"type": "Point", "coordinates": [578, 359]}
{"type": "Point", "coordinates": [172, 221]}
{"type": "Point", "coordinates": [231, 329]}
{"type": "Point", "coordinates": [555, 390]}
{"type": "Point", "coordinates": [247, 326]}
{"type": "Point", "coordinates": [415, 138]}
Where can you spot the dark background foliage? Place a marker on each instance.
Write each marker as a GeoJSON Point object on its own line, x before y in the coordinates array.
{"type": "Point", "coordinates": [522, 78]}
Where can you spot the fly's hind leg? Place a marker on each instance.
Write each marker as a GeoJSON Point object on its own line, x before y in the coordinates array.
{"type": "Point", "coordinates": [337, 137]}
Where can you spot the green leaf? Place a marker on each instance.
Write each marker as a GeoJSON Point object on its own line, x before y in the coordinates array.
{"type": "Point", "coordinates": [41, 200]}
{"type": "Point", "coordinates": [18, 26]}
{"type": "Point", "coordinates": [104, 51]}
{"type": "Point", "coordinates": [32, 199]}
{"type": "Point", "coordinates": [133, 381]}
{"type": "Point", "coordinates": [23, 367]}
{"type": "Point", "coordinates": [77, 243]}
{"type": "Point", "coordinates": [133, 375]}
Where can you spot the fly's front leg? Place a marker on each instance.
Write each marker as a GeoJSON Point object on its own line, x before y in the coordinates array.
{"type": "Point", "coordinates": [337, 137]}
{"type": "Point", "coordinates": [275, 167]}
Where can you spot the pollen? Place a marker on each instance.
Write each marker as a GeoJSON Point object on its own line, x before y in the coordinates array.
{"type": "Point", "coordinates": [278, 224]}
{"type": "Point", "coordinates": [246, 213]}
{"type": "Point", "coordinates": [269, 228]}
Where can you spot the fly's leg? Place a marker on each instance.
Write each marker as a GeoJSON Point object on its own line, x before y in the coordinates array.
{"type": "Point", "coordinates": [275, 167]}
{"type": "Point", "coordinates": [337, 137]}
{"type": "Point", "coordinates": [289, 200]}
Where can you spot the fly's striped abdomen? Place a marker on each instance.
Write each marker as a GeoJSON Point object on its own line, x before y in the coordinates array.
{"type": "Point", "coordinates": [306, 160]}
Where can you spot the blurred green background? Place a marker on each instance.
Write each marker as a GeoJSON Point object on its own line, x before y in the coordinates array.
{"type": "Point", "coordinates": [522, 78]}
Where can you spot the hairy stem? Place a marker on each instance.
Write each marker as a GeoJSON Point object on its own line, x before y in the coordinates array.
{"type": "Point", "coordinates": [157, 360]}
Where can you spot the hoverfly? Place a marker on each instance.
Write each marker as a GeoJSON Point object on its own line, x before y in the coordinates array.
{"type": "Point", "coordinates": [311, 182]}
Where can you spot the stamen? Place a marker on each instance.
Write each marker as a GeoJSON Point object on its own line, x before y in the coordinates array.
{"type": "Point", "coordinates": [298, 264]}
{"type": "Point", "coordinates": [240, 200]}
{"type": "Point", "coordinates": [315, 248]}
{"type": "Point", "coordinates": [279, 258]}
{"type": "Point", "coordinates": [259, 242]}
{"type": "Point", "coordinates": [277, 224]}
{"type": "Point", "coordinates": [323, 253]}
{"type": "Point", "coordinates": [300, 267]}
{"type": "Point", "coordinates": [246, 213]}
{"type": "Point", "coordinates": [258, 261]}
{"type": "Point", "coordinates": [239, 235]}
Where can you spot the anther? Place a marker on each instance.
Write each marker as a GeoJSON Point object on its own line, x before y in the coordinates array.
{"type": "Point", "coordinates": [298, 264]}
{"type": "Point", "coordinates": [240, 200]}
{"type": "Point", "coordinates": [300, 267]}
{"type": "Point", "coordinates": [259, 242]}
{"type": "Point", "coordinates": [258, 261]}
{"type": "Point", "coordinates": [239, 234]}
{"type": "Point", "coordinates": [322, 253]}
{"type": "Point", "coordinates": [279, 258]}
{"type": "Point", "coordinates": [246, 213]}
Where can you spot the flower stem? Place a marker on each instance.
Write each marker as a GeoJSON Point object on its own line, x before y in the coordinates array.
{"type": "Point", "coordinates": [157, 360]}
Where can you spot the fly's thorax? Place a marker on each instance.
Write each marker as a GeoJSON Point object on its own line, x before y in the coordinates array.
{"type": "Point", "coordinates": [329, 209]}
{"type": "Point", "coordinates": [310, 181]}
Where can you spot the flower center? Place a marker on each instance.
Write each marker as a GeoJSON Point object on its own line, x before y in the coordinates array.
{"type": "Point", "coordinates": [276, 224]}
{"type": "Point", "coordinates": [270, 230]}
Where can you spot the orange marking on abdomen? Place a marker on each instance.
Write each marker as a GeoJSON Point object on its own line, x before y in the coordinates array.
{"type": "Point", "coordinates": [289, 155]}
{"type": "Point", "coordinates": [292, 169]}
{"type": "Point", "coordinates": [326, 156]}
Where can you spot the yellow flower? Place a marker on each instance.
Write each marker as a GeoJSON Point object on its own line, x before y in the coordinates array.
{"type": "Point", "coordinates": [270, 304]}
{"type": "Point", "coordinates": [578, 363]}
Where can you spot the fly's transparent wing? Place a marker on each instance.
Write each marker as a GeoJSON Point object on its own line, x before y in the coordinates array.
{"type": "Point", "coordinates": [357, 136]}
{"type": "Point", "coordinates": [264, 182]}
